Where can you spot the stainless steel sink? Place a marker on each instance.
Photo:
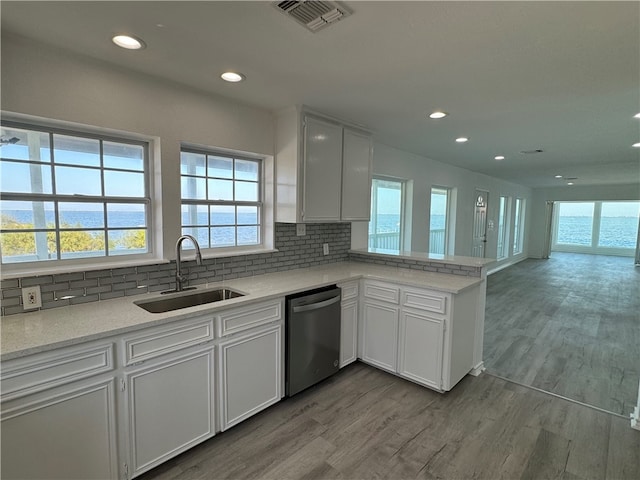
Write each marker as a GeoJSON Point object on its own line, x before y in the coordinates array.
{"type": "Point", "coordinates": [168, 304]}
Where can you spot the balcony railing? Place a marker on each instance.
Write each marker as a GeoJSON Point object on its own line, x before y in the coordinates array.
{"type": "Point", "coordinates": [391, 241]}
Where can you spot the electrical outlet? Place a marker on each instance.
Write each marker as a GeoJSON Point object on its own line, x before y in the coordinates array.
{"type": "Point", "coordinates": [31, 298]}
{"type": "Point", "coordinates": [325, 249]}
{"type": "Point", "coordinates": [301, 229]}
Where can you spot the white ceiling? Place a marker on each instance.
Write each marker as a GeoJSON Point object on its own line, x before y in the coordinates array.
{"type": "Point", "coordinates": [560, 76]}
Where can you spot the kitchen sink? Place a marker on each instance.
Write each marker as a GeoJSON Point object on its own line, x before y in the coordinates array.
{"type": "Point", "coordinates": [168, 304]}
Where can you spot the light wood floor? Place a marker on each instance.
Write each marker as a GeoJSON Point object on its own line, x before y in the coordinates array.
{"type": "Point", "coordinates": [568, 325]}
{"type": "Point", "coordinates": [363, 424]}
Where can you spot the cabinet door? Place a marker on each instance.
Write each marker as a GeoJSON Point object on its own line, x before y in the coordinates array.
{"type": "Point", "coordinates": [250, 374]}
{"type": "Point", "coordinates": [322, 170]}
{"type": "Point", "coordinates": [349, 332]}
{"type": "Point", "coordinates": [170, 407]}
{"type": "Point", "coordinates": [380, 335]}
{"type": "Point", "coordinates": [66, 432]}
{"type": "Point", "coordinates": [420, 348]}
{"type": "Point", "coordinates": [356, 176]}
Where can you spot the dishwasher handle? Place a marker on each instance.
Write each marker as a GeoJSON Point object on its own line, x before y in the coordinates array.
{"type": "Point", "coordinates": [316, 306]}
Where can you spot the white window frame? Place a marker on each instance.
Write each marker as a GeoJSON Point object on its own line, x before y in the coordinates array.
{"type": "Point", "coordinates": [595, 247]}
{"type": "Point", "coordinates": [447, 222]}
{"type": "Point", "coordinates": [264, 203]}
{"type": "Point", "coordinates": [403, 211]}
{"type": "Point", "coordinates": [504, 241]}
{"type": "Point", "coordinates": [518, 225]}
{"type": "Point", "coordinates": [153, 220]}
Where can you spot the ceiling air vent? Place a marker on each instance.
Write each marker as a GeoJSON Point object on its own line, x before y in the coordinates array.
{"type": "Point", "coordinates": [531, 152]}
{"type": "Point", "coordinates": [313, 14]}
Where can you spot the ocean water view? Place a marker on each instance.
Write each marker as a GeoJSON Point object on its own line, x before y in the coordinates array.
{"type": "Point", "coordinates": [618, 232]}
{"type": "Point", "coordinates": [223, 233]}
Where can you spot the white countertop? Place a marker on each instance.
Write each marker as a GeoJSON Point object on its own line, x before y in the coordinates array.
{"type": "Point", "coordinates": [43, 330]}
{"type": "Point", "coordinates": [426, 257]}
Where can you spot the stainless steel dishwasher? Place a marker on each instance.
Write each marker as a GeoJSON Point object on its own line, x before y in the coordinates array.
{"type": "Point", "coordinates": [312, 337]}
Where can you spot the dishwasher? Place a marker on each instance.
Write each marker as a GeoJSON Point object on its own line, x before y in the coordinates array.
{"type": "Point", "coordinates": [312, 338]}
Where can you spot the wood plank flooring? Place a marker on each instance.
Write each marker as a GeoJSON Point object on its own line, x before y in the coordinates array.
{"type": "Point", "coordinates": [568, 325]}
{"type": "Point", "coordinates": [366, 424]}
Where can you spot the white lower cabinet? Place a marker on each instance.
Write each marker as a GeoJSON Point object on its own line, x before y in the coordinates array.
{"type": "Point", "coordinates": [379, 334]}
{"type": "Point", "coordinates": [250, 374]}
{"type": "Point", "coordinates": [67, 432]}
{"type": "Point", "coordinates": [420, 348]}
{"type": "Point", "coordinates": [170, 407]}
{"type": "Point", "coordinates": [349, 332]}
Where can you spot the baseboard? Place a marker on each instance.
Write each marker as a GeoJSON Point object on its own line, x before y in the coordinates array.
{"type": "Point", "coordinates": [506, 265]}
{"type": "Point", "coordinates": [478, 369]}
{"type": "Point", "coordinates": [635, 418]}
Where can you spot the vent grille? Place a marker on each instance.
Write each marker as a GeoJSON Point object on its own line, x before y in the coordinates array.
{"type": "Point", "coordinates": [531, 152]}
{"type": "Point", "coordinates": [313, 14]}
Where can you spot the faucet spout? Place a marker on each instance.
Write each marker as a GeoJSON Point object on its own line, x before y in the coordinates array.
{"type": "Point", "coordinates": [180, 279]}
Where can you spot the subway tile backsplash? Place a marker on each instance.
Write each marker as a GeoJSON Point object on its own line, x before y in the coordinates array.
{"type": "Point", "coordinates": [91, 286]}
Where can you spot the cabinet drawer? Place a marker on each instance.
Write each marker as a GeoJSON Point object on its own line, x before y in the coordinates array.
{"type": "Point", "coordinates": [386, 293]}
{"type": "Point", "coordinates": [39, 372]}
{"type": "Point", "coordinates": [240, 319]}
{"type": "Point", "coordinates": [425, 300]}
{"type": "Point", "coordinates": [159, 341]}
{"type": "Point", "coordinates": [349, 290]}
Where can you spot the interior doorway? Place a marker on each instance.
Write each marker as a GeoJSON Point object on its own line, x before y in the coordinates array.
{"type": "Point", "coordinates": [479, 242]}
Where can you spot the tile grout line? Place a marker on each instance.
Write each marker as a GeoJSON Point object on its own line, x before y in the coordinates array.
{"type": "Point", "coordinates": [593, 407]}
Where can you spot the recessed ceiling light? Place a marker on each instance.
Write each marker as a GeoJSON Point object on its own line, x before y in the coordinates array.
{"type": "Point", "coordinates": [438, 114]}
{"type": "Point", "coordinates": [569, 183]}
{"type": "Point", "coordinates": [558, 176]}
{"type": "Point", "coordinates": [128, 42]}
{"type": "Point", "coordinates": [500, 157]}
{"type": "Point", "coordinates": [232, 77]}
{"type": "Point", "coordinates": [637, 145]}
{"type": "Point", "coordinates": [637, 115]}
{"type": "Point", "coordinates": [462, 139]}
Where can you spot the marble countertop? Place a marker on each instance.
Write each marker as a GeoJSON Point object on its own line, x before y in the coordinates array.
{"type": "Point", "coordinates": [43, 330]}
{"type": "Point", "coordinates": [426, 257]}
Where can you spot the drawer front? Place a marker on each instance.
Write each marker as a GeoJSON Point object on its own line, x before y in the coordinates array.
{"type": "Point", "coordinates": [33, 374]}
{"type": "Point", "coordinates": [385, 293]}
{"type": "Point", "coordinates": [349, 290]}
{"type": "Point", "coordinates": [425, 300]}
{"type": "Point", "coordinates": [240, 319]}
{"type": "Point", "coordinates": [165, 340]}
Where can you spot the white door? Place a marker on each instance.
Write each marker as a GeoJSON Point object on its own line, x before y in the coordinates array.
{"type": "Point", "coordinates": [480, 223]}
{"type": "Point", "coordinates": [250, 374]}
{"type": "Point", "coordinates": [356, 176]}
{"type": "Point", "coordinates": [420, 348]}
{"type": "Point", "coordinates": [322, 170]}
{"type": "Point", "coordinates": [66, 432]}
{"type": "Point", "coordinates": [349, 332]}
{"type": "Point", "coordinates": [170, 407]}
{"type": "Point", "coordinates": [380, 335]}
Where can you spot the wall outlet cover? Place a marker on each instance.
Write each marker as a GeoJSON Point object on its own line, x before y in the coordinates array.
{"type": "Point", "coordinates": [31, 298]}
{"type": "Point", "coordinates": [301, 229]}
{"type": "Point", "coordinates": [325, 249]}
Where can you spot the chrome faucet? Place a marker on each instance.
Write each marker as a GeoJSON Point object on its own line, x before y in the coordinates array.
{"type": "Point", "coordinates": [179, 277]}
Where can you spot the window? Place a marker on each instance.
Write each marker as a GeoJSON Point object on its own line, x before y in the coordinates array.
{"type": "Point", "coordinates": [518, 226]}
{"type": "Point", "coordinates": [387, 212]}
{"type": "Point", "coordinates": [221, 199]}
{"type": "Point", "coordinates": [69, 195]}
{"type": "Point", "coordinates": [503, 228]}
{"type": "Point", "coordinates": [596, 227]}
{"type": "Point", "coordinates": [439, 220]}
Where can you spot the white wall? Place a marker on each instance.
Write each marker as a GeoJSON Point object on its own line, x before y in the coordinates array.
{"type": "Point", "coordinates": [42, 81]}
{"type": "Point", "coordinates": [567, 194]}
{"type": "Point", "coordinates": [425, 173]}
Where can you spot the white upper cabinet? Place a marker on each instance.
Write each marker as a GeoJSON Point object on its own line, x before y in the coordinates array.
{"type": "Point", "coordinates": [356, 176]}
{"type": "Point", "coordinates": [323, 169]}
